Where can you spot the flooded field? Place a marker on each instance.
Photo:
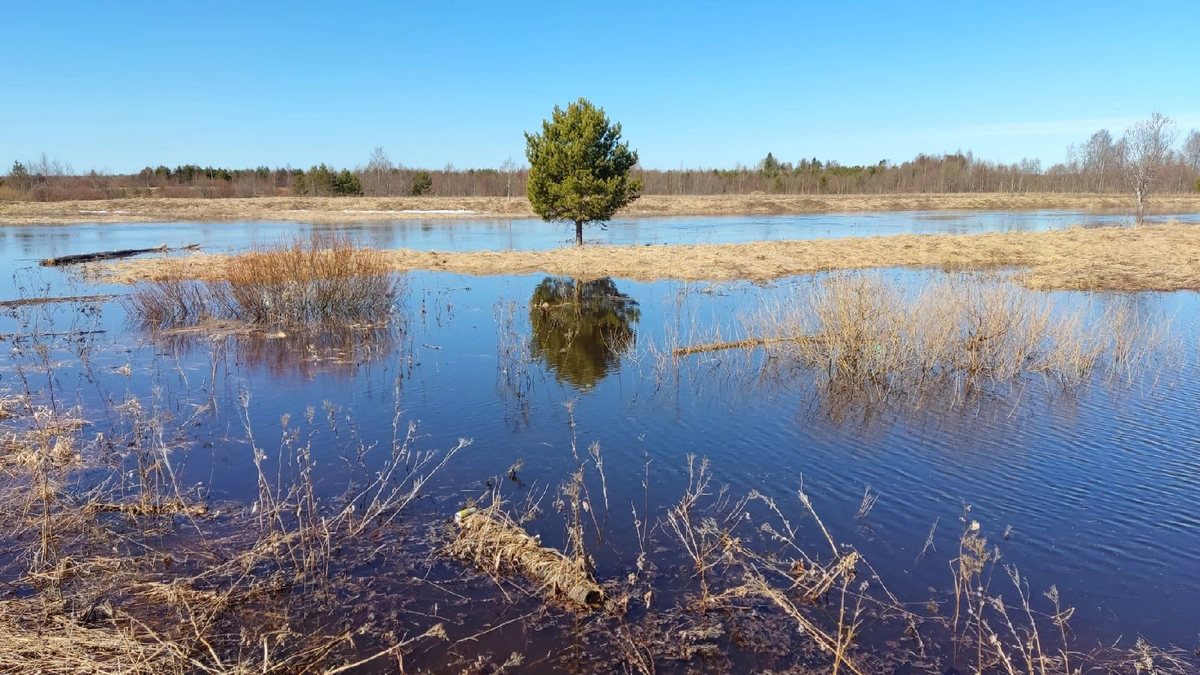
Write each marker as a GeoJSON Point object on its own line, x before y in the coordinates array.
{"type": "Point", "coordinates": [30, 242]}
{"type": "Point", "coordinates": [740, 509]}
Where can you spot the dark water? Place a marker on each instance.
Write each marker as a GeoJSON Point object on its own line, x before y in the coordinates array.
{"type": "Point", "coordinates": [1096, 490]}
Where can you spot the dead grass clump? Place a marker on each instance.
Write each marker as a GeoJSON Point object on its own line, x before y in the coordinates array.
{"type": "Point", "coordinates": [54, 645]}
{"type": "Point", "coordinates": [869, 333]}
{"type": "Point", "coordinates": [494, 543]}
{"type": "Point", "coordinates": [321, 280]}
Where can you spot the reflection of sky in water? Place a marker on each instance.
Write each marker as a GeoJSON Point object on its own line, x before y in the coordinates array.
{"type": "Point", "coordinates": [1097, 487]}
{"type": "Point", "coordinates": [22, 246]}
{"type": "Point", "coordinates": [27, 243]}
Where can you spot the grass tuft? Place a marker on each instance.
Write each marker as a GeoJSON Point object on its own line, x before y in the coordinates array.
{"type": "Point", "coordinates": [320, 280]}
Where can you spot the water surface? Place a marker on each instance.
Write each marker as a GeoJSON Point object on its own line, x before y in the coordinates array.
{"type": "Point", "coordinates": [1091, 491]}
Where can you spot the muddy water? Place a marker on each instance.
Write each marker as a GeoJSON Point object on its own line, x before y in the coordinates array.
{"type": "Point", "coordinates": [1093, 491]}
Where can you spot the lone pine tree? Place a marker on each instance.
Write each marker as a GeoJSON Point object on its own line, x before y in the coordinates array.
{"type": "Point", "coordinates": [579, 168]}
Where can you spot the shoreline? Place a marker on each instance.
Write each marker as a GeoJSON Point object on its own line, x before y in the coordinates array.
{"type": "Point", "coordinates": [364, 209]}
{"type": "Point", "coordinates": [1151, 258]}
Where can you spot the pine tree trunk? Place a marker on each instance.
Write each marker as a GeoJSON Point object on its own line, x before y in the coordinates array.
{"type": "Point", "coordinates": [579, 233]}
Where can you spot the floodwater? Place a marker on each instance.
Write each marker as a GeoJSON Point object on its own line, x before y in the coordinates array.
{"type": "Point", "coordinates": [1093, 491]}
{"type": "Point", "coordinates": [29, 243]}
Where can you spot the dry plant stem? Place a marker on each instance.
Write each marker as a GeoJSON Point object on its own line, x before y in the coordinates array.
{"type": "Point", "coordinates": [1155, 257]}
{"type": "Point", "coordinates": [736, 344]}
{"type": "Point", "coordinates": [594, 451]}
{"type": "Point", "coordinates": [757, 585]}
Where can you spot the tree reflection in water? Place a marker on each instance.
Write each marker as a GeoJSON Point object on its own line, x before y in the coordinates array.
{"type": "Point", "coordinates": [581, 329]}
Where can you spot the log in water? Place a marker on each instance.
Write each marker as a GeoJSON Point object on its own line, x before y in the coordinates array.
{"type": "Point", "coordinates": [109, 255]}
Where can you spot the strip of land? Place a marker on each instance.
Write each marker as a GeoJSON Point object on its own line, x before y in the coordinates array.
{"type": "Point", "coordinates": [1157, 257]}
{"type": "Point", "coordinates": [358, 209]}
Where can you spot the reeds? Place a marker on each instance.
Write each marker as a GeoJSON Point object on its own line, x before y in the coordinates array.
{"type": "Point", "coordinates": [320, 280]}
{"type": "Point", "coordinates": [867, 333]}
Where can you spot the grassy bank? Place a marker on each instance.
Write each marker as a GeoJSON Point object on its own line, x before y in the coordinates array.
{"type": "Point", "coordinates": [1159, 257]}
{"type": "Point", "coordinates": [348, 209]}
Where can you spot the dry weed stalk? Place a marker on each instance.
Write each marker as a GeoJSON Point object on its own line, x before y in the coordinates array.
{"type": "Point", "coordinates": [174, 600]}
{"type": "Point", "coordinates": [787, 582]}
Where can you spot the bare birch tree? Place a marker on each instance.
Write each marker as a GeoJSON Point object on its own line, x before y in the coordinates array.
{"type": "Point", "coordinates": [1191, 151]}
{"type": "Point", "coordinates": [1147, 153]}
{"type": "Point", "coordinates": [1101, 158]}
{"type": "Point", "coordinates": [379, 174]}
{"type": "Point", "coordinates": [509, 169]}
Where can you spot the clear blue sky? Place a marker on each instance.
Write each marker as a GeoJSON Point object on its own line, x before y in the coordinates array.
{"type": "Point", "coordinates": [117, 86]}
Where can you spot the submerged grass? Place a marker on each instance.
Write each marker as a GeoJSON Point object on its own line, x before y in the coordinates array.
{"type": "Point", "coordinates": [866, 337]}
{"type": "Point", "coordinates": [865, 331]}
{"type": "Point", "coordinates": [111, 563]}
{"type": "Point", "coordinates": [139, 572]}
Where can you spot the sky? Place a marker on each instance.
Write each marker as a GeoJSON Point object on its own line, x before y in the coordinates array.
{"type": "Point", "coordinates": [115, 87]}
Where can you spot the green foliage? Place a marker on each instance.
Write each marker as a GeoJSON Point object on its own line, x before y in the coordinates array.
{"type": "Point", "coordinates": [20, 177]}
{"type": "Point", "coordinates": [769, 164]}
{"type": "Point", "coordinates": [346, 183]}
{"type": "Point", "coordinates": [580, 329]}
{"type": "Point", "coordinates": [579, 168]}
{"type": "Point", "coordinates": [321, 181]}
{"type": "Point", "coordinates": [422, 183]}
{"type": "Point", "coordinates": [1196, 187]}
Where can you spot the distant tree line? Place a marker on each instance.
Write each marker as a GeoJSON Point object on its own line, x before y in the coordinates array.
{"type": "Point", "coordinates": [1102, 163]}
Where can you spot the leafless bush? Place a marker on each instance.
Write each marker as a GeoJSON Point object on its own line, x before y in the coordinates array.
{"type": "Point", "coordinates": [319, 281]}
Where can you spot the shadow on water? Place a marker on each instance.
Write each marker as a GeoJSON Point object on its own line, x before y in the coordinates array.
{"type": "Point", "coordinates": [581, 329]}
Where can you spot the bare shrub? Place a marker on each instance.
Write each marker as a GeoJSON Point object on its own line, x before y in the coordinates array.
{"type": "Point", "coordinates": [321, 280]}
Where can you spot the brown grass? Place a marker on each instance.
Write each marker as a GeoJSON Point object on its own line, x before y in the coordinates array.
{"type": "Point", "coordinates": [863, 330]}
{"type": "Point", "coordinates": [1157, 257]}
{"type": "Point", "coordinates": [494, 543]}
{"type": "Point", "coordinates": [341, 209]}
{"type": "Point", "coordinates": [315, 281]}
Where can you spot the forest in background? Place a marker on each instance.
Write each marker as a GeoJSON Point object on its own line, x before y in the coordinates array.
{"type": "Point", "coordinates": [1101, 164]}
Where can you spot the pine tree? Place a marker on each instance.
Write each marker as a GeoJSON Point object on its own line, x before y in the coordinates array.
{"type": "Point", "coordinates": [20, 176]}
{"type": "Point", "coordinates": [579, 169]}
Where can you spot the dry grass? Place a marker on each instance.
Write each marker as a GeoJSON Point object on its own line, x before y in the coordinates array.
{"type": "Point", "coordinates": [304, 282]}
{"type": "Point", "coordinates": [128, 571]}
{"type": "Point", "coordinates": [870, 332]}
{"type": "Point", "coordinates": [1157, 257]}
{"type": "Point", "coordinates": [949, 338]}
{"type": "Point", "coordinates": [494, 543]}
{"type": "Point", "coordinates": [340, 209]}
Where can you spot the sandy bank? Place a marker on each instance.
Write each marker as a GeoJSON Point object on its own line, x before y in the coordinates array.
{"type": "Point", "coordinates": [358, 209]}
{"type": "Point", "coordinates": [1158, 257]}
